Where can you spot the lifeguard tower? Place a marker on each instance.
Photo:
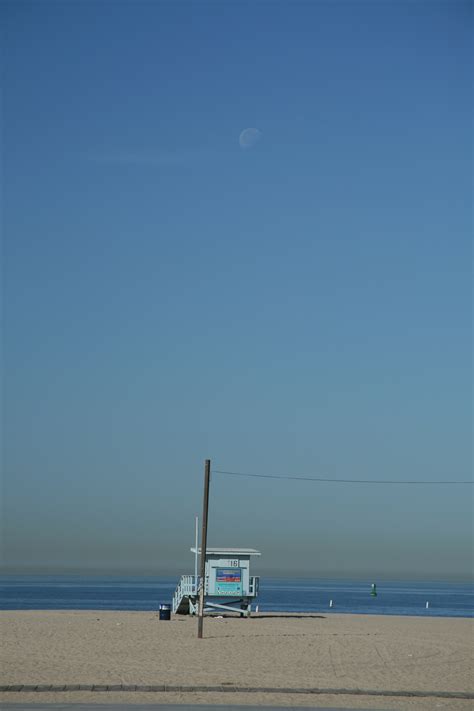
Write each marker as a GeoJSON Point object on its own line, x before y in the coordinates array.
{"type": "Point", "coordinates": [228, 583]}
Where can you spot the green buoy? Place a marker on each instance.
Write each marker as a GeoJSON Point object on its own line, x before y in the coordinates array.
{"type": "Point", "coordinates": [373, 592]}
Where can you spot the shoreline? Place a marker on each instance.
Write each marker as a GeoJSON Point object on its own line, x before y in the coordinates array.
{"type": "Point", "coordinates": [316, 614]}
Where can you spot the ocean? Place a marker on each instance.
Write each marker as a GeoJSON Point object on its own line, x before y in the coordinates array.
{"type": "Point", "coordinates": [75, 592]}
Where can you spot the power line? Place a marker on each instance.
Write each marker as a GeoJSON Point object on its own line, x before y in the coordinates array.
{"type": "Point", "coordinates": [337, 481]}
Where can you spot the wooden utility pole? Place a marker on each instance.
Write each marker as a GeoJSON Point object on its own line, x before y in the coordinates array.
{"type": "Point", "coordinates": [205, 509]}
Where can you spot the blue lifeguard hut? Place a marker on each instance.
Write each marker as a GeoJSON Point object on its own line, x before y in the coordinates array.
{"type": "Point", "coordinates": [228, 583]}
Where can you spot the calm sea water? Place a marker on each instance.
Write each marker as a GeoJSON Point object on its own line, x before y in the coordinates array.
{"type": "Point", "coordinates": [282, 595]}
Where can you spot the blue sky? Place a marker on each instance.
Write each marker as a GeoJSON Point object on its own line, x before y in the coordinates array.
{"type": "Point", "coordinates": [299, 307]}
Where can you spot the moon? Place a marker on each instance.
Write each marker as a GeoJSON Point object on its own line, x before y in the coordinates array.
{"type": "Point", "coordinates": [249, 137]}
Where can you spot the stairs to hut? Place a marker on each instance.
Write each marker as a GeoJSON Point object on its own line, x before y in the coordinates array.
{"type": "Point", "coordinates": [185, 596]}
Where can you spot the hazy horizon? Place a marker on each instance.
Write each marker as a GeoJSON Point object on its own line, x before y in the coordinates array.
{"type": "Point", "coordinates": [257, 569]}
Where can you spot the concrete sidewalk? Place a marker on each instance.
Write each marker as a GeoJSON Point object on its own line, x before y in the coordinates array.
{"type": "Point", "coordinates": [163, 707]}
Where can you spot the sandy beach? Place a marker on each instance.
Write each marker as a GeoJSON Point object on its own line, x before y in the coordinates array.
{"type": "Point", "coordinates": [277, 653]}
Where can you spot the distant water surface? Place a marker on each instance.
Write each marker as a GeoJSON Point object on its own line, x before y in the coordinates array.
{"type": "Point", "coordinates": [74, 592]}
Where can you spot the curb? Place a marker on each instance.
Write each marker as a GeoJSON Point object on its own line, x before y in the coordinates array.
{"type": "Point", "coordinates": [231, 689]}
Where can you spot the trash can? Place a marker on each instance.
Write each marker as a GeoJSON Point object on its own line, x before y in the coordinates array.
{"type": "Point", "coordinates": [165, 612]}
